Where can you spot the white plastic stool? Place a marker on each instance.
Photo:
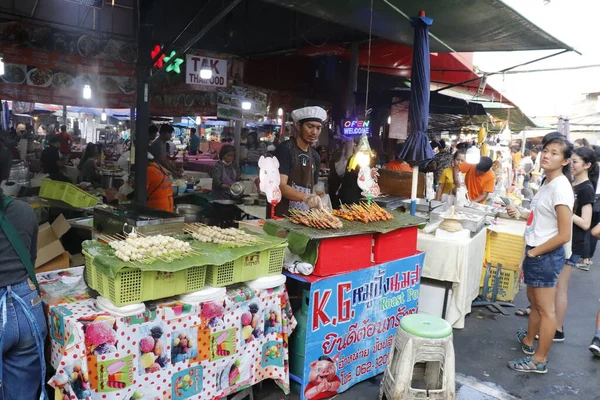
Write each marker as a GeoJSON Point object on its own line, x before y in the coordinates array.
{"type": "Point", "coordinates": [421, 362]}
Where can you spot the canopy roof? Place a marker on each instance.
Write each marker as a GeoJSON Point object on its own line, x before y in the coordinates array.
{"type": "Point", "coordinates": [463, 25]}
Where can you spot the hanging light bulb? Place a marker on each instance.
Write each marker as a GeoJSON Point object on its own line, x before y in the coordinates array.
{"type": "Point", "coordinates": [198, 121]}
{"type": "Point", "coordinates": [362, 155]}
{"type": "Point", "coordinates": [473, 155]}
{"type": "Point", "coordinates": [1, 66]}
{"type": "Point", "coordinates": [103, 116]}
{"type": "Point", "coordinates": [87, 92]}
{"type": "Point", "coordinates": [205, 72]}
{"type": "Point", "coordinates": [280, 112]}
{"type": "Point", "coordinates": [389, 119]}
{"type": "Point", "coordinates": [246, 105]}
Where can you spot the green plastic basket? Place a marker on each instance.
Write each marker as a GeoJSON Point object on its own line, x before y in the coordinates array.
{"type": "Point", "coordinates": [132, 285]}
{"type": "Point", "coordinates": [254, 266]}
{"type": "Point", "coordinates": [66, 192]}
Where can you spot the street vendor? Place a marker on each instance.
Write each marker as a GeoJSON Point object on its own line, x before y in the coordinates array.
{"type": "Point", "coordinates": [299, 162]}
{"type": "Point", "coordinates": [479, 178]}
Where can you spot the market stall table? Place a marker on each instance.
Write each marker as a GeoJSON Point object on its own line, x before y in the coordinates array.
{"type": "Point", "coordinates": [201, 165]}
{"type": "Point", "coordinates": [347, 322]}
{"type": "Point", "coordinates": [455, 262]}
{"type": "Point", "coordinates": [176, 349]}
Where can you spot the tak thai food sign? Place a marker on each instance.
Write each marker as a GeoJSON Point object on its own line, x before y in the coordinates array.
{"type": "Point", "coordinates": [352, 320]}
{"type": "Point", "coordinates": [356, 127]}
{"type": "Point", "coordinates": [195, 63]}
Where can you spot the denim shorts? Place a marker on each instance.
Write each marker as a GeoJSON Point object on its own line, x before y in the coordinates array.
{"type": "Point", "coordinates": [574, 260]}
{"type": "Point", "coordinates": [543, 271]}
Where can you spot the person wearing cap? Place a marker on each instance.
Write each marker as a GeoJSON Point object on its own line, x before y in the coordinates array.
{"type": "Point", "coordinates": [299, 162]}
{"type": "Point", "coordinates": [479, 179]}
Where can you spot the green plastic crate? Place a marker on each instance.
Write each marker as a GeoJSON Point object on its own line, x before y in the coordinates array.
{"type": "Point", "coordinates": [248, 268]}
{"type": "Point", "coordinates": [68, 193]}
{"type": "Point", "coordinates": [132, 285]}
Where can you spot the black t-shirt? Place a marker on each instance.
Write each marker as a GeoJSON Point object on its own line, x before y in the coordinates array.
{"type": "Point", "coordinates": [584, 195]}
{"type": "Point", "coordinates": [50, 157]}
{"type": "Point", "coordinates": [284, 152]}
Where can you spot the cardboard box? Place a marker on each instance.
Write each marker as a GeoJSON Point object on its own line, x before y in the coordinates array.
{"type": "Point", "coordinates": [49, 245]}
{"type": "Point", "coordinates": [60, 262]}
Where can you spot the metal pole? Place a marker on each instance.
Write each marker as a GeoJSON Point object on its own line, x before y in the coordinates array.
{"type": "Point", "coordinates": [199, 35]}
{"type": "Point", "coordinates": [352, 81]}
{"type": "Point", "coordinates": [237, 137]}
{"type": "Point", "coordinates": [64, 115]}
{"type": "Point", "coordinates": [142, 120]}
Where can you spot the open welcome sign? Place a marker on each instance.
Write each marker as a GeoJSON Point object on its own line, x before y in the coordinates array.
{"type": "Point", "coordinates": [356, 127]}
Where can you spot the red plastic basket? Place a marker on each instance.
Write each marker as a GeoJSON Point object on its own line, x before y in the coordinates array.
{"type": "Point", "coordinates": [395, 245]}
{"type": "Point", "coordinates": [344, 254]}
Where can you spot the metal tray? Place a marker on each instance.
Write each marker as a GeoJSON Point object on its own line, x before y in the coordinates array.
{"type": "Point", "coordinates": [472, 225]}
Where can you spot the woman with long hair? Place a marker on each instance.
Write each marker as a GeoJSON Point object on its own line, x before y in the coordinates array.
{"type": "Point", "coordinates": [548, 230]}
{"type": "Point", "coordinates": [585, 177]}
{"type": "Point", "coordinates": [88, 170]}
{"type": "Point", "coordinates": [449, 177]}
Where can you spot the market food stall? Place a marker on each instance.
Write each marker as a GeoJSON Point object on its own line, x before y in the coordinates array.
{"type": "Point", "coordinates": [202, 316]}
{"type": "Point", "coordinates": [349, 306]}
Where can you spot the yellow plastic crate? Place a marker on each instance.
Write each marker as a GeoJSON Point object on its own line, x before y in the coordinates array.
{"type": "Point", "coordinates": [504, 248]}
{"type": "Point", "coordinates": [509, 282]}
{"type": "Point", "coordinates": [253, 266]}
{"type": "Point", "coordinates": [68, 193]}
{"type": "Point", "coordinates": [132, 285]}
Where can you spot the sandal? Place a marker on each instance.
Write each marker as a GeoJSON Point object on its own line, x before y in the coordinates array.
{"type": "Point", "coordinates": [529, 350]}
{"type": "Point", "coordinates": [528, 364]}
{"type": "Point", "coordinates": [523, 312]}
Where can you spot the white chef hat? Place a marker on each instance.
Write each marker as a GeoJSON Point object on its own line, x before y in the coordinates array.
{"type": "Point", "coordinates": [307, 114]}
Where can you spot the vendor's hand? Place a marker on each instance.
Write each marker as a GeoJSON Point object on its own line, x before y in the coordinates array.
{"type": "Point", "coordinates": [512, 211]}
{"type": "Point", "coordinates": [313, 201]}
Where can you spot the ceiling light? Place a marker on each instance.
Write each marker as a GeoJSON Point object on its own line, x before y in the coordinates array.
{"type": "Point", "coordinates": [198, 121]}
{"type": "Point", "coordinates": [205, 72]}
{"type": "Point", "coordinates": [1, 66]}
{"type": "Point", "coordinates": [103, 115]}
{"type": "Point", "coordinates": [389, 119]}
{"type": "Point", "coordinates": [87, 92]}
{"type": "Point", "coordinates": [473, 155]}
{"type": "Point", "coordinates": [246, 105]}
{"type": "Point", "coordinates": [280, 112]}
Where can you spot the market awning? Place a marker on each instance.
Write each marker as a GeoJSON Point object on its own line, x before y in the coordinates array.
{"type": "Point", "coordinates": [463, 25]}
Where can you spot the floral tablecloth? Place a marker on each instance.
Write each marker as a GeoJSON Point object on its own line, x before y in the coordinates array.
{"type": "Point", "coordinates": [174, 350]}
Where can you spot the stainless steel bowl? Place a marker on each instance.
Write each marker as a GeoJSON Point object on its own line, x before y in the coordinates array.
{"type": "Point", "coordinates": [190, 212]}
{"type": "Point", "coordinates": [237, 189]}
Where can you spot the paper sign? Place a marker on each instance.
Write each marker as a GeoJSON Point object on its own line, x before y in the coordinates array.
{"type": "Point", "coordinates": [195, 63]}
{"type": "Point", "coordinates": [269, 178]}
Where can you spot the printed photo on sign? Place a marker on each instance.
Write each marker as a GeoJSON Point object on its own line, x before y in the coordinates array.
{"type": "Point", "coordinates": [352, 320]}
{"type": "Point", "coordinates": [223, 344]}
{"type": "Point", "coordinates": [114, 375]}
{"type": "Point", "coordinates": [100, 335]}
{"type": "Point", "coordinates": [187, 383]}
{"type": "Point", "coordinates": [153, 355]}
{"type": "Point", "coordinates": [184, 345]}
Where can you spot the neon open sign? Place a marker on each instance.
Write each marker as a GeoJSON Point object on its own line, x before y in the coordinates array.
{"type": "Point", "coordinates": [356, 127]}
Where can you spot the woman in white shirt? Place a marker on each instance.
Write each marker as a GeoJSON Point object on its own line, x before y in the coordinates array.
{"type": "Point", "coordinates": [548, 230]}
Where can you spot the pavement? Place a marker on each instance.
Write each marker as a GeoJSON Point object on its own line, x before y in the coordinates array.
{"type": "Point", "coordinates": [486, 344]}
